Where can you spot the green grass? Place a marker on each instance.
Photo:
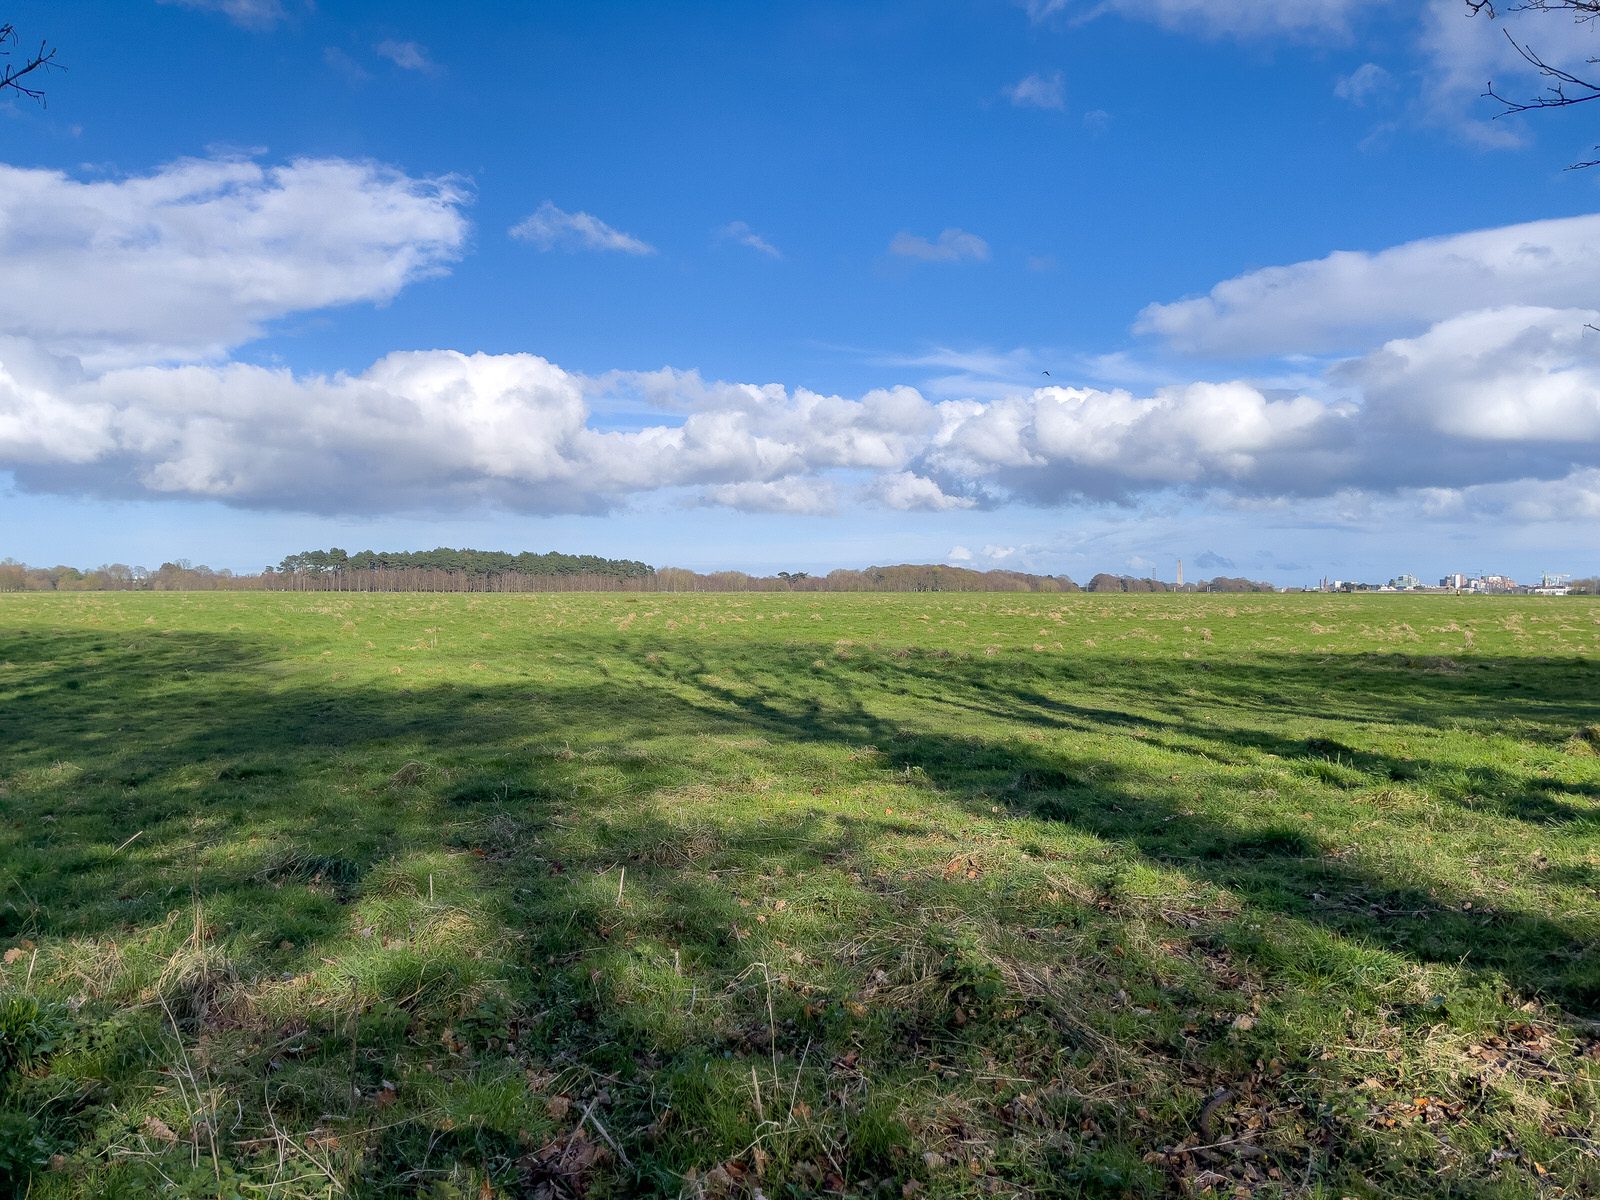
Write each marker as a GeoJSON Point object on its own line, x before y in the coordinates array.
{"type": "Point", "coordinates": [933, 895]}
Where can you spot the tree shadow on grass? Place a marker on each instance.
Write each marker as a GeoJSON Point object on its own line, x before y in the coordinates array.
{"type": "Point", "coordinates": [1283, 867]}
{"type": "Point", "coordinates": [192, 720]}
{"type": "Point", "coordinates": [616, 929]}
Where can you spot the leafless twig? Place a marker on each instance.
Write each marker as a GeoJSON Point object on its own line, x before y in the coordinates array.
{"type": "Point", "coordinates": [1566, 87]}
{"type": "Point", "coordinates": [11, 74]}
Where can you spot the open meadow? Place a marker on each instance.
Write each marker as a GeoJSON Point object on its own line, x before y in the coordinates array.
{"type": "Point", "coordinates": [786, 895]}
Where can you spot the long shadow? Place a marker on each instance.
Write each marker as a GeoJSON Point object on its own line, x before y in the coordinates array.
{"type": "Point", "coordinates": [228, 737]}
{"type": "Point", "coordinates": [131, 750]}
{"type": "Point", "coordinates": [311, 789]}
{"type": "Point", "coordinates": [1555, 701]}
{"type": "Point", "coordinates": [1283, 869]}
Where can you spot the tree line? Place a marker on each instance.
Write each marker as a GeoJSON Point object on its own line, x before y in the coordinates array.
{"type": "Point", "coordinates": [448, 570]}
{"type": "Point", "coordinates": [392, 574]}
{"type": "Point", "coordinates": [1133, 583]}
{"type": "Point", "coordinates": [476, 563]}
{"type": "Point", "coordinates": [180, 576]}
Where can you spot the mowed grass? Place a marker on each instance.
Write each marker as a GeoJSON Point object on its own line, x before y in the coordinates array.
{"type": "Point", "coordinates": [790, 895]}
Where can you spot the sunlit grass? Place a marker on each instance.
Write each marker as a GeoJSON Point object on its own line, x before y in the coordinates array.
{"type": "Point", "coordinates": [308, 895]}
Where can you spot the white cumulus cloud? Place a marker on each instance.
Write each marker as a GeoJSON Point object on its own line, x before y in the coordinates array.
{"type": "Point", "coordinates": [1057, 442]}
{"type": "Point", "coordinates": [433, 429]}
{"type": "Point", "coordinates": [1480, 399]}
{"type": "Point", "coordinates": [201, 254]}
{"type": "Point", "coordinates": [125, 289]}
{"type": "Point", "coordinates": [795, 496]}
{"type": "Point", "coordinates": [910, 492]}
{"type": "Point", "coordinates": [1574, 497]}
{"type": "Point", "coordinates": [1501, 376]}
{"type": "Point", "coordinates": [1351, 299]}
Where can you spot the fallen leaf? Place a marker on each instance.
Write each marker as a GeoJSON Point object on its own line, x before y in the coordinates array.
{"type": "Point", "coordinates": [158, 1129]}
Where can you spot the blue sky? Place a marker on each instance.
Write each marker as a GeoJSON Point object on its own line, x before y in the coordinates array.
{"type": "Point", "coordinates": [777, 286]}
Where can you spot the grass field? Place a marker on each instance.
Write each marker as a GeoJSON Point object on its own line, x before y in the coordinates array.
{"type": "Point", "coordinates": [912, 895]}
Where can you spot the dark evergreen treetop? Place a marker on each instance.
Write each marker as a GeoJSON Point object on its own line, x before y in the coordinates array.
{"type": "Point", "coordinates": [475, 563]}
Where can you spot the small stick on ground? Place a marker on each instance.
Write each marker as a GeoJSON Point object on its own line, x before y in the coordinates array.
{"type": "Point", "coordinates": [588, 1115]}
{"type": "Point", "coordinates": [1208, 1112]}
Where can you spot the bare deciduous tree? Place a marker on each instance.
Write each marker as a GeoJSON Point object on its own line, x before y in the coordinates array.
{"type": "Point", "coordinates": [12, 74]}
{"type": "Point", "coordinates": [1564, 87]}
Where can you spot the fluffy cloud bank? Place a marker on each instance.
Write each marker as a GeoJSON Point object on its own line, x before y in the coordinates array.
{"type": "Point", "coordinates": [126, 293]}
{"type": "Point", "coordinates": [1484, 398]}
{"type": "Point", "coordinates": [1350, 299]}
{"type": "Point", "coordinates": [431, 429]}
{"type": "Point", "coordinates": [1059, 443]}
{"type": "Point", "coordinates": [199, 256]}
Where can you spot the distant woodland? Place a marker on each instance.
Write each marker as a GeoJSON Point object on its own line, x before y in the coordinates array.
{"type": "Point", "coordinates": [448, 570]}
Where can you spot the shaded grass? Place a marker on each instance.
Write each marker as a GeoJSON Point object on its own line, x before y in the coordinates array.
{"type": "Point", "coordinates": [396, 895]}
